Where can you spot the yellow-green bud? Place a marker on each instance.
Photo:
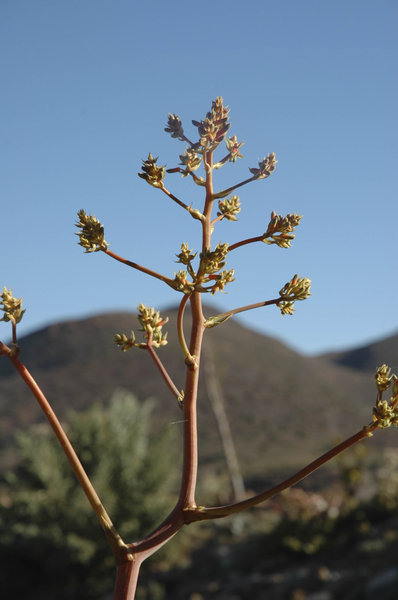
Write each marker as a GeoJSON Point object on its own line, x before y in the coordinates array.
{"type": "Point", "coordinates": [280, 229]}
{"type": "Point", "coordinates": [233, 147]}
{"type": "Point", "coordinates": [12, 307]}
{"type": "Point", "coordinates": [91, 235]}
{"type": "Point", "coordinates": [298, 288]}
{"type": "Point", "coordinates": [151, 172]}
{"type": "Point", "coordinates": [383, 378]}
{"type": "Point", "coordinates": [229, 208]}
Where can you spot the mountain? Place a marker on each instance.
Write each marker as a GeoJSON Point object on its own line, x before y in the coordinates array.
{"type": "Point", "coordinates": [284, 408]}
{"type": "Point", "coordinates": [367, 358]}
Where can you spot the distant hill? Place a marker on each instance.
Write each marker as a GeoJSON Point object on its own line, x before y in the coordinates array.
{"type": "Point", "coordinates": [284, 408]}
{"type": "Point", "coordinates": [370, 356]}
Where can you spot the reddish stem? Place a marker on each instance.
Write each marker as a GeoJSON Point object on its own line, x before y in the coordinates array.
{"type": "Point", "coordinates": [235, 311]}
{"type": "Point", "coordinates": [177, 200]}
{"type": "Point", "coordinates": [169, 382]}
{"type": "Point", "coordinates": [222, 511]}
{"type": "Point", "coordinates": [126, 580]}
{"type": "Point", "coordinates": [190, 460]}
{"type": "Point", "coordinates": [258, 238]}
{"type": "Point", "coordinates": [234, 187]}
{"type": "Point", "coordinates": [134, 265]}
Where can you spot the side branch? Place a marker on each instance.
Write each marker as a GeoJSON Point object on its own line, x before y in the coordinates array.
{"type": "Point", "coordinates": [177, 200]}
{"type": "Point", "coordinates": [134, 265]}
{"type": "Point", "coordinates": [224, 193]}
{"type": "Point", "coordinates": [221, 318]}
{"type": "Point", "coordinates": [258, 238]}
{"type": "Point", "coordinates": [189, 359]}
{"type": "Point", "coordinates": [169, 382]}
{"type": "Point", "coordinates": [195, 213]}
{"type": "Point", "coordinates": [204, 513]}
{"type": "Point", "coordinates": [265, 168]}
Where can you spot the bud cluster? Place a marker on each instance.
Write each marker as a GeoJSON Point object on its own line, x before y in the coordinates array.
{"type": "Point", "coordinates": [298, 288]}
{"type": "Point", "coordinates": [151, 323]}
{"type": "Point", "coordinates": [280, 229]}
{"type": "Point", "coordinates": [12, 307]}
{"type": "Point", "coordinates": [181, 283]}
{"type": "Point", "coordinates": [383, 378]}
{"type": "Point", "coordinates": [265, 167]}
{"type": "Point", "coordinates": [385, 412]}
{"type": "Point", "coordinates": [190, 160]}
{"type": "Point", "coordinates": [92, 233]}
{"type": "Point", "coordinates": [125, 343]}
{"type": "Point", "coordinates": [233, 152]}
{"type": "Point", "coordinates": [152, 173]}
{"type": "Point", "coordinates": [229, 208]}
{"type": "Point", "coordinates": [214, 127]}
{"type": "Point", "coordinates": [220, 281]}
{"type": "Point", "coordinates": [233, 148]}
{"type": "Point", "coordinates": [186, 256]}
{"type": "Point", "coordinates": [174, 127]}
{"type": "Point", "coordinates": [213, 261]}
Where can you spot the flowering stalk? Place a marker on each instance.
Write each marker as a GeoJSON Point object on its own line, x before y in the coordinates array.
{"type": "Point", "coordinates": [208, 276]}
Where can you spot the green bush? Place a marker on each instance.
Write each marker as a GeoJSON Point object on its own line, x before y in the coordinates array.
{"type": "Point", "coordinates": [46, 523]}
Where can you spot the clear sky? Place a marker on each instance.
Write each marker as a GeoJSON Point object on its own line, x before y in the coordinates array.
{"type": "Point", "coordinates": [86, 86]}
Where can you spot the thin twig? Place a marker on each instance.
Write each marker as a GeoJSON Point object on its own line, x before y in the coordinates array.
{"type": "Point", "coordinates": [224, 316]}
{"type": "Point", "coordinates": [216, 220]}
{"type": "Point", "coordinates": [177, 200]}
{"type": "Point", "coordinates": [180, 329]}
{"type": "Point", "coordinates": [197, 179]}
{"type": "Point", "coordinates": [258, 238]}
{"type": "Point", "coordinates": [134, 265]}
{"type": "Point", "coordinates": [224, 193]}
{"type": "Point", "coordinates": [169, 382]}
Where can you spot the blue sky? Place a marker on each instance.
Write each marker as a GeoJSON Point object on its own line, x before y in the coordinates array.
{"type": "Point", "coordinates": [86, 89]}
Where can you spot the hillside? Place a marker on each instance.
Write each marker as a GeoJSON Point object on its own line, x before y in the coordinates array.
{"type": "Point", "coordinates": [276, 399]}
{"type": "Point", "coordinates": [366, 358]}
